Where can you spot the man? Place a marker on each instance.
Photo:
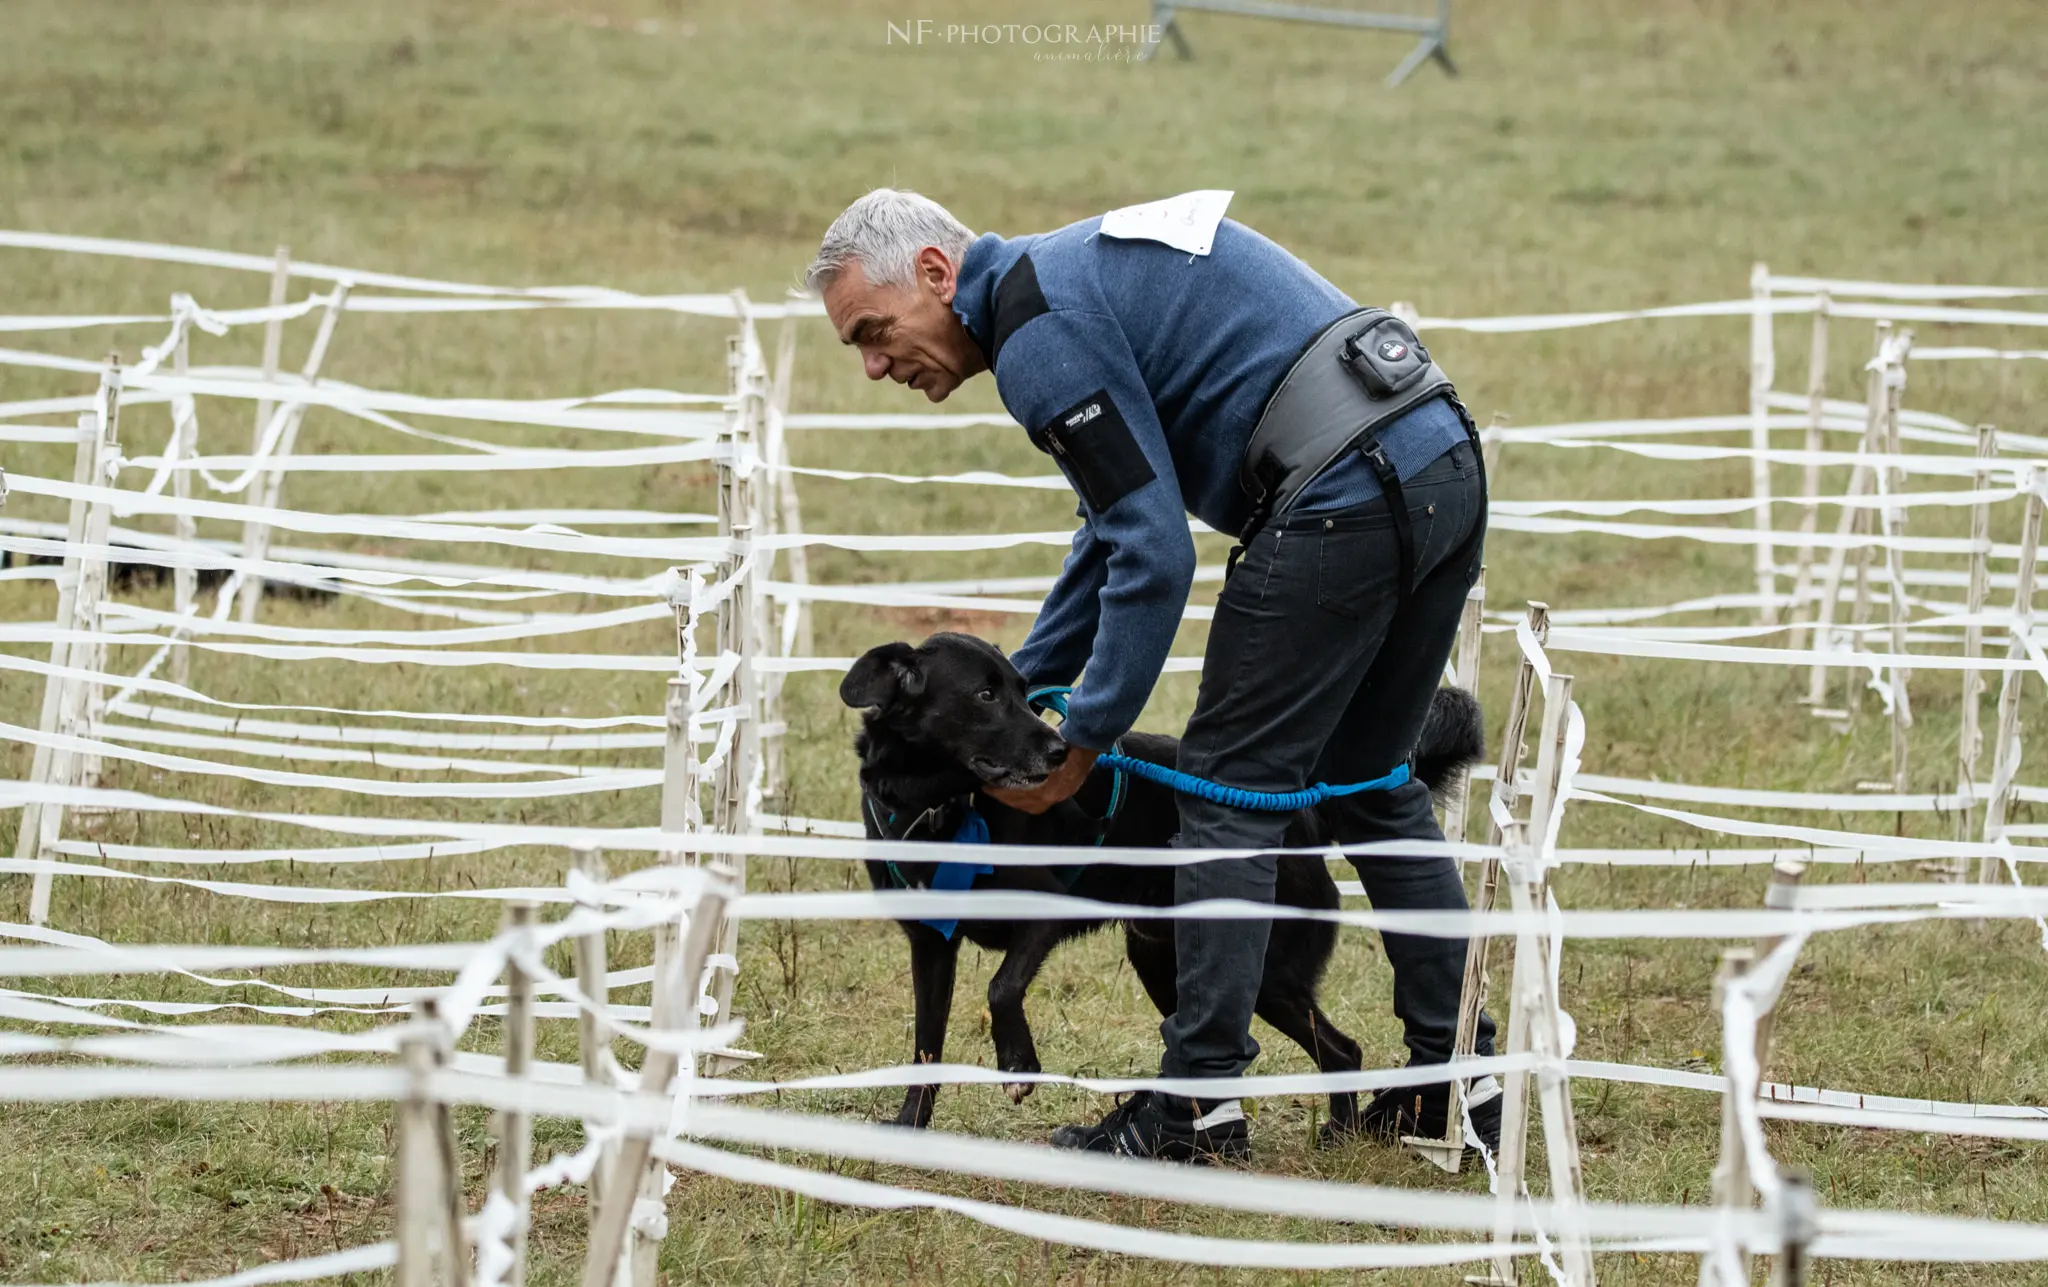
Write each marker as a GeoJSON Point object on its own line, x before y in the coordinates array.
{"type": "Point", "coordinates": [1220, 376]}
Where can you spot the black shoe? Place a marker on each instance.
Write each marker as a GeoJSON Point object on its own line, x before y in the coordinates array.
{"type": "Point", "coordinates": [1166, 1127]}
{"type": "Point", "coordinates": [1421, 1111]}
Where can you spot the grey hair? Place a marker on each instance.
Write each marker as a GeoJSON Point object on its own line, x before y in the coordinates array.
{"type": "Point", "coordinates": [883, 232]}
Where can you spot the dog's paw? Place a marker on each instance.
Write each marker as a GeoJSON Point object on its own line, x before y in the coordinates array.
{"type": "Point", "coordinates": [1018, 1091]}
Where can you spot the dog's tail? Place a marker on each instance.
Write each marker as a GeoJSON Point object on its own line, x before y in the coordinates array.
{"type": "Point", "coordinates": [1453, 740]}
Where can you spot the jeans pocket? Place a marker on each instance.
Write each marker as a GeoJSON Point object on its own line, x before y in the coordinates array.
{"type": "Point", "coordinates": [1332, 580]}
{"type": "Point", "coordinates": [1356, 567]}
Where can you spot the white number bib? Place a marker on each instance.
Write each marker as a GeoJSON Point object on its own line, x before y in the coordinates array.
{"type": "Point", "coordinates": [1186, 222]}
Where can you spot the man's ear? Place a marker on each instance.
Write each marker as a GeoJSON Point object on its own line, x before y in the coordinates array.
{"type": "Point", "coordinates": [939, 273]}
{"type": "Point", "coordinates": [881, 676]}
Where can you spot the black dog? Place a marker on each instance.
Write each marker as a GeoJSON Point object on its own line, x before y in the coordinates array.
{"type": "Point", "coordinates": [943, 720]}
{"type": "Point", "coordinates": [127, 574]}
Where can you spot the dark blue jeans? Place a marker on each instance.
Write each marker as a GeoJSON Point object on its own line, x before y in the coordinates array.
{"type": "Point", "coordinates": [1318, 670]}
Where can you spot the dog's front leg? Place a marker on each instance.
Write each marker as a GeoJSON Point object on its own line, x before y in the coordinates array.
{"type": "Point", "coordinates": [1015, 1051]}
{"type": "Point", "coordinates": [932, 958]}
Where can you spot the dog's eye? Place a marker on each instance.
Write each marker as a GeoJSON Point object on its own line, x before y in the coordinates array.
{"type": "Point", "coordinates": [987, 694]}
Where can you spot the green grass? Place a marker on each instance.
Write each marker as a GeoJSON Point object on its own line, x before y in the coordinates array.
{"type": "Point", "coordinates": [1593, 155]}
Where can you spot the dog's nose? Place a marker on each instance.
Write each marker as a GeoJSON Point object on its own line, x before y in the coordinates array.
{"type": "Point", "coordinates": [1056, 755]}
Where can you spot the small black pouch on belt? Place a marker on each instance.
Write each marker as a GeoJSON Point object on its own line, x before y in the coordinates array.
{"type": "Point", "coordinates": [1385, 357]}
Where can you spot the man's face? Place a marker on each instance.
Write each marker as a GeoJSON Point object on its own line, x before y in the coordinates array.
{"type": "Point", "coordinates": [908, 334]}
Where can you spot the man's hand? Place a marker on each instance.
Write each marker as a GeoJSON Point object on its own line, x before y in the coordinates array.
{"type": "Point", "coordinates": [1059, 785]}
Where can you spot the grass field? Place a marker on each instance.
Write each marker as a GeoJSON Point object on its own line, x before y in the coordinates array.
{"type": "Point", "coordinates": [1601, 154]}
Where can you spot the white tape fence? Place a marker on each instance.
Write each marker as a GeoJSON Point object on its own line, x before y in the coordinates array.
{"type": "Point", "coordinates": [1839, 600]}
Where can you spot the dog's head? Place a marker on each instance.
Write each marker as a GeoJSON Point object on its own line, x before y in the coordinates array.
{"type": "Point", "coordinates": [952, 703]}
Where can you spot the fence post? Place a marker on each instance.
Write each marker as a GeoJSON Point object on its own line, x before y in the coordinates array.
{"type": "Point", "coordinates": [184, 580]}
{"type": "Point", "coordinates": [1553, 1091]}
{"type": "Point", "coordinates": [734, 785]}
{"type": "Point", "coordinates": [753, 431]}
{"type": "Point", "coordinates": [593, 1031]}
{"type": "Point", "coordinates": [1532, 1013]}
{"type": "Point", "coordinates": [635, 1154]}
{"type": "Point", "coordinates": [797, 638]}
{"type": "Point", "coordinates": [1850, 520]}
{"type": "Point", "coordinates": [515, 1129]}
{"type": "Point", "coordinates": [1782, 894]}
{"type": "Point", "coordinates": [1762, 374]}
{"type": "Point", "coordinates": [680, 812]}
{"type": "Point", "coordinates": [1892, 482]}
{"type": "Point", "coordinates": [94, 572]}
{"type": "Point", "coordinates": [69, 705]}
{"type": "Point", "coordinates": [1557, 700]}
{"type": "Point", "coordinates": [730, 814]}
{"type": "Point", "coordinates": [1448, 1153]}
{"type": "Point", "coordinates": [675, 989]}
{"type": "Point", "coordinates": [740, 624]}
{"type": "Point", "coordinates": [1970, 737]}
{"type": "Point", "coordinates": [266, 488]}
{"type": "Point", "coordinates": [1511, 1161]}
{"type": "Point", "coordinates": [418, 1196]}
{"type": "Point", "coordinates": [454, 1207]}
{"type": "Point", "coordinates": [1466, 677]}
{"type": "Point", "coordinates": [430, 1203]}
{"type": "Point", "coordinates": [1870, 521]}
{"type": "Point", "coordinates": [1798, 1225]}
{"type": "Point", "coordinates": [763, 700]}
{"type": "Point", "coordinates": [1816, 415]}
{"type": "Point", "coordinates": [782, 513]}
{"type": "Point", "coordinates": [1553, 1087]}
{"type": "Point", "coordinates": [1492, 442]}
{"type": "Point", "coordinates": [251, 585]}
{"type": "Point", "coordinates": [2005, 751]}
{"type": "Point", "coordinates": [57, 688]}
{"type": "Point", "coordinates": [1731, 1169]}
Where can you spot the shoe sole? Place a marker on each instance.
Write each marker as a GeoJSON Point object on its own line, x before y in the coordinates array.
{"type": "Point", "coordinates": [1210, 1156]}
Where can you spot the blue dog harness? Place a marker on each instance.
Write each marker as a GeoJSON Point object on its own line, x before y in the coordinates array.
{"type": "Point", "coordinates": [955, 877]}
{"type": "Point", "coordinates": [951, 877]}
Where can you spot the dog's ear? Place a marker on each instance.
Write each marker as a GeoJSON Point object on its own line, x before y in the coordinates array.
{"type": "Point", "coordinates": [881, 676]}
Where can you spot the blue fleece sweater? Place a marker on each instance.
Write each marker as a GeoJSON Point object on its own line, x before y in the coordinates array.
{"type": "Point", "coordinates": [1142, 370]}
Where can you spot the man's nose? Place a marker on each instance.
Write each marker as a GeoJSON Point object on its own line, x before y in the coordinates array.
{"type": "Point", "coordinates": [877, 365]}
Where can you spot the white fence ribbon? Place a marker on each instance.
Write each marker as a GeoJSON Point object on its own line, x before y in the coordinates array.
{"type": "Point", "coordinates": [595, 783]}
{"type": "Point", "coordinates": [30, 665]}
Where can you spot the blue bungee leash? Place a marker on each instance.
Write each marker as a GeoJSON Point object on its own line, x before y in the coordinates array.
{"type": "Point", "coordinates": [1054, 698]}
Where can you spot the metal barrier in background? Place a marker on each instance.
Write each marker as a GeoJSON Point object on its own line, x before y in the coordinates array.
{"type": "Point", "coordinates": [1433, 32]}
